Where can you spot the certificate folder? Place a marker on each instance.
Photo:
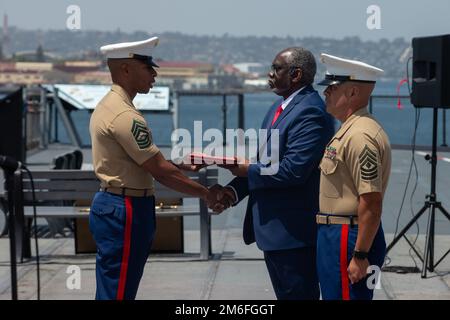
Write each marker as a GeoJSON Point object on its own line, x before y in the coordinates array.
{"type": "Point", "coordinates": [201, 158]}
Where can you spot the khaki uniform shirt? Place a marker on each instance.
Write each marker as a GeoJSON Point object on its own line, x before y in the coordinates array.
{"type": "Point", "coordinates": [357, 160]}
{"type": "Point", "coordinates": [121, 143]}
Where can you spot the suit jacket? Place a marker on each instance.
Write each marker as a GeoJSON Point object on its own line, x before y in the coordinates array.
{"type": "Point", "coordinates": [282, 207]}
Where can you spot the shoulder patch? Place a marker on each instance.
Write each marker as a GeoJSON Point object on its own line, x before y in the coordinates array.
{"type": "Point", "coordinates": [141, 134]}
{"type": "Point", "coordinates": [368, 164]}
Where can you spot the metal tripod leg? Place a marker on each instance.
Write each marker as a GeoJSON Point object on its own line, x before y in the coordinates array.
{"type": "Point", "coordinates": [406, 228]}
{"type": "Point", "coordinates": [444, 212]}
{"type": "Point", "coordinates": [428, 256]}
{"type": "Point", "coordinates": [447, 215]}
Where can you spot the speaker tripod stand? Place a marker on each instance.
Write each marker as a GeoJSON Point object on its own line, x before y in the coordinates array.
{"type": "Point", "coordinates": [431, 204]}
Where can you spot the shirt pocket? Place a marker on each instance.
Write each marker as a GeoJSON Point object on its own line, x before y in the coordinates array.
{"type": "Point", "coordinates": [330, 186]}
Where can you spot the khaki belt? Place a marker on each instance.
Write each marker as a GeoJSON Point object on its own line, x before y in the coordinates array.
{"type": "Point", "coordinates": [128, 192]}
{"type": "Point", "coordinates": [330, 219]}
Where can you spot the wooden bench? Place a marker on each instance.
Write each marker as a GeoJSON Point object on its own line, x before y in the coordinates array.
{"type": "Point", "coordinates": [81, 185]}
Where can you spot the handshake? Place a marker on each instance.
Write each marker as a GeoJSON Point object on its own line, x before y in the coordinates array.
{"type": "Point", "coordinates": [220, 198]}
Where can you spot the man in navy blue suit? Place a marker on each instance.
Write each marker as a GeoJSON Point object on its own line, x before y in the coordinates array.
{"type": "Point", "coordinates": [282, 204]}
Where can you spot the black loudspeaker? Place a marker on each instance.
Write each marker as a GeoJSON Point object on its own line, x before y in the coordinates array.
{"type": "Point", "coordinates": [431, 72]}
{"type": "Point", "coordinates": [11, 125]}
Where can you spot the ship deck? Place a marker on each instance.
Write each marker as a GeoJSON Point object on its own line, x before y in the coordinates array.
{"type": "Point", "coordinates": [237, 271]}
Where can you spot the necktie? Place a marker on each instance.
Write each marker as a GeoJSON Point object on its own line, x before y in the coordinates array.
{"type": "Point", "coordinates": [277, 114]}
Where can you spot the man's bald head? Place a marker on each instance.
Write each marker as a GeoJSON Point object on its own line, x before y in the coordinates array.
{"type": "Point", "coordinates": [120, 68]}
{"type": "Point", "coordinates": [134, 75]}
{"type": "Point", "coordinates": [114, 64]}
{"type": "Point", "coordinates": [359, 93]}
{"type": "Point", "coordinates": [345, 98]}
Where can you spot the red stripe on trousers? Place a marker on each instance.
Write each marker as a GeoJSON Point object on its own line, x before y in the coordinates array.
{"type": "Point", "coordinates": [126, 249]}
{"type": "Point", "coordinates": [343, 263]}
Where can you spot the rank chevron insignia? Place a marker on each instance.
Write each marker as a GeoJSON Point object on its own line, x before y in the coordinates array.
{"type": "Point", "coordinates": [141, 134]}
{"type": "Point", "coordinates": [369, 164]}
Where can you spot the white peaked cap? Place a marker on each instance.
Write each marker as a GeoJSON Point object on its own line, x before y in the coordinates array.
{"type": "Point", "coordinates": [341, 70]}
{"type": "Point", "coordinates": [141, 50]}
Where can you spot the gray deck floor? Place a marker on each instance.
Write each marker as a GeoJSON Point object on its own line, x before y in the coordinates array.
{"type": "Point", "coordinates": [238, 271]}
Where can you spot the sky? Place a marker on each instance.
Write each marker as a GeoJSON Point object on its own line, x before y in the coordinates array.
{"type": "Point", "coordinates": [295, 18]}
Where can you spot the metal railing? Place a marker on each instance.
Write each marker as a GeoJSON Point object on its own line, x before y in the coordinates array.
{"type": "Point", "coordinates": [224, 107]}
{"type": "Point", "coordinates": [36, 118]}
{"type": "Point", "coordinates": [41, 122]}
{"type": "Point", "coordinates": [43, 111]}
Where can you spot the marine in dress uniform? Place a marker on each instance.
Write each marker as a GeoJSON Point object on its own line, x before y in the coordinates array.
{"type": "Point", "coordinates": [126, 159]}
{"type": "Point", "coordinates": [355, 171]}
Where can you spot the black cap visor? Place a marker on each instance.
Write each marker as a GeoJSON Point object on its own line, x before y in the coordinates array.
{"type": "Point", "coordinates": [146, 59]}
{"type": "Point", "coordinates": [331, 79]}
{"type": "Point", "coordinates": [327, 82]}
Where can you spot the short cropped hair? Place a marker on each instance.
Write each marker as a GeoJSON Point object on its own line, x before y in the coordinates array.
{"type": "Point", "coordinates": [304, 60]}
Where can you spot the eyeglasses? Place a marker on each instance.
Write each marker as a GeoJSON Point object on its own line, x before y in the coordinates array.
{"type": "Point", "coordinates": [275, 68]}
